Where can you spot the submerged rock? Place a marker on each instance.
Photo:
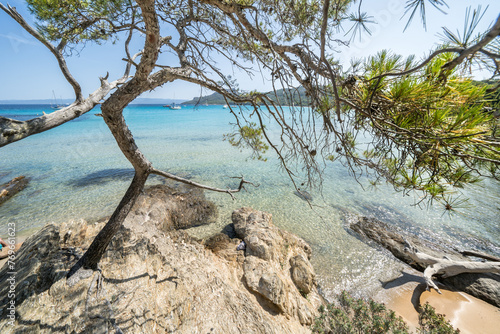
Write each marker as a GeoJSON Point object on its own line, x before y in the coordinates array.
{"type": "Point", "coordinates": [173, 208]}
{"type": "Point", "coordinates": [9, 189]}
{"type": "Point", "coordinates": [157, 281]}
{"type": "Point", "coordinates": [302, 194]}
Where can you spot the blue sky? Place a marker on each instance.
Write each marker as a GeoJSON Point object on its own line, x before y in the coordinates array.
{"type": "Point", "coordinates": [29, 71]}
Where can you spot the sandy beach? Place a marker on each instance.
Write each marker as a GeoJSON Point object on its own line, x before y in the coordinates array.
{"type": "Point", "coordinates": [465, 312]}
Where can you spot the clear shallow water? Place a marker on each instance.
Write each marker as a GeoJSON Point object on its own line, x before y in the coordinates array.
{"type": "Point", "coordinates": [77, 171]}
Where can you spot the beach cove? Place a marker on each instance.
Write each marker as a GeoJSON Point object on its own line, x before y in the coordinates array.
{"type": "Point", "coordinates": [77, 171]}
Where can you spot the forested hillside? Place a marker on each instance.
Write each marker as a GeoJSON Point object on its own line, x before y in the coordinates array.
{"type": "Point", "coordinates": [281, 96]}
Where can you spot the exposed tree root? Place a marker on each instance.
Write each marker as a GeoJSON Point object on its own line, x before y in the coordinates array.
{"type": "Point", "coordinates": [97, 286]}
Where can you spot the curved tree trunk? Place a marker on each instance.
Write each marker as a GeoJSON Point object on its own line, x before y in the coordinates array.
{"type": "Point", "coordinates": [89, 261]}
{"type": "Point", "coordinates": [112, 113]}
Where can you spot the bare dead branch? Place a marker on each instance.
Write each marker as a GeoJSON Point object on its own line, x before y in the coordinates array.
{"type": "Point", "coordinates": [14, 130]}
{"type": "Point", "coordinates": [202, 186]}
{"type": "Point", "coordinates": [447, 267]}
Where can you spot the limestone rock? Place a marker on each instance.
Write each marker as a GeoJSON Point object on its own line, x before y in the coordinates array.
{"type": "Point", "coordinates": [170, 208]}
{"type": "Point", "coordinates": [276, 265]}
{"type": "Point", "coordinates": [246, 219]}
{"type": "Point", "coordinates": [302, 274]}
{"type": "Point", "coordinates": [263, 279]}
{"type": "Point", "coordinates": [155, 281]}
{"type": "Point", "coordinates": [225, 247]}
{"type": "Point", "coordinates": [482, 286]}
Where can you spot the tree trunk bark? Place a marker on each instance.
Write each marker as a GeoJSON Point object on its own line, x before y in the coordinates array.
{"type": "Point", "coordinates": [112, 113]}
{"type": "Point", "coordinates": [113, 116]}
{"type": "Point", "coordinates": [89, 261]}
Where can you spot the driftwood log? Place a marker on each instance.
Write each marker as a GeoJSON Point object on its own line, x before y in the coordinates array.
{"type": "Point", "coordinates": [447, 267]}
{"type": "Point", "coordinates": [452, 268]}
{"type": "Point", "coordinates": [9, 189]}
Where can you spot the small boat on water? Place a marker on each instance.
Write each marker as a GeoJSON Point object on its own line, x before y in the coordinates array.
{"type": "Point", "coordinates": [55, 103]}
{"type": "Point", "coordinates": [226, 106]}
{"type": "Point", "coordinates": [172, 106]}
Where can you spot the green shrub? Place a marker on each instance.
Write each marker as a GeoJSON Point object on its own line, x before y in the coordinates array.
{"type": "Point", "coordinates": [433, 323]}
{"type": "Point", "coordinates": [358, 316]}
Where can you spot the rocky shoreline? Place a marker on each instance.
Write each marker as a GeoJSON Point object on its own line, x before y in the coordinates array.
{"type": "Point", "coordinates": [250, 278]}
{"type": "Point", "coordinates": [156, 278]}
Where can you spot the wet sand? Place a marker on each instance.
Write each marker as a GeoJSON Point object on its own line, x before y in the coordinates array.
{"type": "Point", "coordinates": [465, 312]}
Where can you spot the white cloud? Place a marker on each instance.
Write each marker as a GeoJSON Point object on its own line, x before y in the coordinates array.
{"type": "Point", "coordinates": [17, 40]}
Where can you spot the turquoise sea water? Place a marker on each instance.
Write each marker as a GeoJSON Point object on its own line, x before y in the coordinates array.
{"type": "Point", "coordinates": [77, 171]}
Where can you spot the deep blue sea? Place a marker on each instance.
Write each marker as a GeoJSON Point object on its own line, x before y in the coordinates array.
{"type": "Point", "coordinates": [78, 172]}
